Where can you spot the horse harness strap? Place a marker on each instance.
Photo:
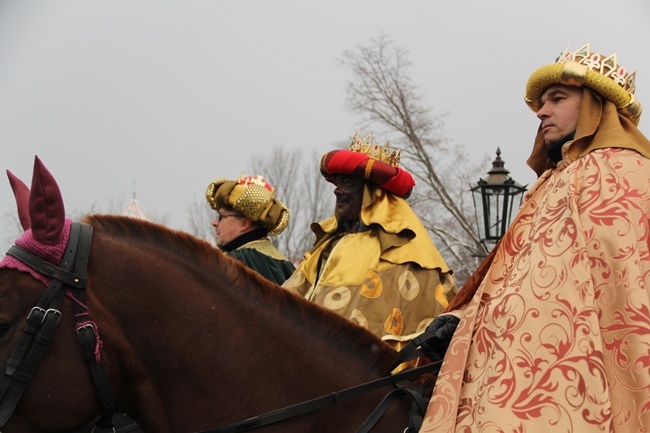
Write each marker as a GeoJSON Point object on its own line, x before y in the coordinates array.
{"type": "Point", "coordinates": [411, 350]}
{"type": "Point", "coordinates": [336, 397]}
{"type": "Point", "coordinates": [43, 320]}
{"type": "Point", "coordinates": [88, 338]}
{"type": "Point", "coordinates": [415, 416]}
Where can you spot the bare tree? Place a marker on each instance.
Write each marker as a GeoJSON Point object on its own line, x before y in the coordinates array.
{"type": "Point", "coordinates": [382, 91]}
{"type": "Point", "coordinates": [298, 184]}
{"type": "Point", "coordinates": [302, 189]}
{"type": "Point", "coordinates": [200, 216]}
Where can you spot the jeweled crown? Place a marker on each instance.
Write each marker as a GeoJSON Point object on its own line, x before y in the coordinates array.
{"type": "Point", "coordinates": [606, 66]}
{"type": "Point", "coordinates": [375, 151]}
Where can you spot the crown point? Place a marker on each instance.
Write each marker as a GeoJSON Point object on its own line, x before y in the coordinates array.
{"type": "Point", "coordinates": [375, 151]}
{"type": "Point", "coordinates": [606, 66]}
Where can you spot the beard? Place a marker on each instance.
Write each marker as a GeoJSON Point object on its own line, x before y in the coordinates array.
{"type": "Point", "coordinates": [554, 150]}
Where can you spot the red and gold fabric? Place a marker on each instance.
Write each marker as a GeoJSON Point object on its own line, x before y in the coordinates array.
{"type": "Point", "coordinates": [557, 337]}
{"type": "Point", "coordinates": [557, 334]}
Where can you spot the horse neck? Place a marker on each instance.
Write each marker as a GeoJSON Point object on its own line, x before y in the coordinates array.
{"type": "Point", "coordinates": [191, 338]}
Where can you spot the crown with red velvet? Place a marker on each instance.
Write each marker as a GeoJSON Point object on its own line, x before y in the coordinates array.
{"type": "Point", "coordinates": [370, 161]}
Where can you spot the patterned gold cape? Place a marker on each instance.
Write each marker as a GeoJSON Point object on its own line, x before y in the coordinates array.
{"type": "Point", "coordinates": [557, 336]}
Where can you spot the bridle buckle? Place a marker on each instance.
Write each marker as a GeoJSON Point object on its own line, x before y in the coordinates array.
{"type": "Point", "coordinates": [86, 326]}
{"type": "Point", "coordinates": [39, 310]}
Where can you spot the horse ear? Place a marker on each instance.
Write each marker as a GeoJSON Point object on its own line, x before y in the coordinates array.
{"type": "Point", "coordinates": [21, 192]}
{"type": "Point", "coordinates": [46, 210]}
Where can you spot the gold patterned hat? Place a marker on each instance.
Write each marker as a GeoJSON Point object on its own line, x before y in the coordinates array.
{"type": "Point", "coordinates": [583, 67]}
{"type": "Point", "coordinates": [253, 197]}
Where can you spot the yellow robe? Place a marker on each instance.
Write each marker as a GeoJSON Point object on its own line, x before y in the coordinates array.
{"type": "Point", "coordinates": [389, 279]}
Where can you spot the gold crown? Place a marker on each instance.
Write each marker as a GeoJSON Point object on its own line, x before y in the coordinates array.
{"type": "Point", "coordinates": [375, 151]}
{"type": "Point", "coordinates": [600, 73]}
{"type": "Point", "coordinates": [606, 66]}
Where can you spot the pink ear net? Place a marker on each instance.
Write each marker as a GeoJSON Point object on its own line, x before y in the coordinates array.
{"type": "Point", "coordinates": [21, 192]}
{"type": "Point", "coordinates": [42, 215]}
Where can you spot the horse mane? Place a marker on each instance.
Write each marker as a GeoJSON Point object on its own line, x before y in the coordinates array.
{"type": "Point", "coordinates": [188, 248]}
{"type": "Point", "coordinates": [194, 251]}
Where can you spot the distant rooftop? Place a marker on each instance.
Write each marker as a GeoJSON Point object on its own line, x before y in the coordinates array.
{"type": "Point", "coordinates": [134, 210]}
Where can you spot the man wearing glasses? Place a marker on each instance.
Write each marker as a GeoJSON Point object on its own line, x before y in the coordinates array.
{"type": "Point", "coordinates": [247, 214]}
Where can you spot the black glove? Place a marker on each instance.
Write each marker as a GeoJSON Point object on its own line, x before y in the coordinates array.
{"type": "Point", "coordinates": [435, 347]}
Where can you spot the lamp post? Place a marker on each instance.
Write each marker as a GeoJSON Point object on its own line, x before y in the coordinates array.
{"type": "Point", "coordinates": [496, 199]}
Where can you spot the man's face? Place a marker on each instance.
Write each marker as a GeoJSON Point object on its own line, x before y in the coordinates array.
{"type": "Point", "coordinates": [559, 112]}
{"type": "Point", "coordinates": [229, 224]}
{"type": "Point", "coordinates": [349, 195]}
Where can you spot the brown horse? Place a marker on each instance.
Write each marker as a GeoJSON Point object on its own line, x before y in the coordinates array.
{"type": "Point", "coordinates": [192, 339]}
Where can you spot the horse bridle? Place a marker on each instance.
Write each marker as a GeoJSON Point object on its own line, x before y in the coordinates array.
{"type": "Point", "coordinates": [43, 320]}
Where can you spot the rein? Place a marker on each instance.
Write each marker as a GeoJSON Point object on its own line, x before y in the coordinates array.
{"type": "Point", "coordinates": [410, 351]}
{"type": "Point", "coordinates": [68, 279]}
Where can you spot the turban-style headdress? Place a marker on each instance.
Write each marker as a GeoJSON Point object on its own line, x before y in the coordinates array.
{"type": "Point", "coordinates": [253, 197]}
{"type": "Point", "coordinates": [371, 162]}
{"type": "Point", "coordinates": [608, 112]}
{"type": "Point", "coordinates": [580, 68]}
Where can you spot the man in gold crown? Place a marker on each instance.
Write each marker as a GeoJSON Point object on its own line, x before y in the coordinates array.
{"type": "Point", "coordinates": [373, 261]}
{"type": "Point", "coordinates": [556, 330]}
{"type": "Point", "coordinates": [247, 213]}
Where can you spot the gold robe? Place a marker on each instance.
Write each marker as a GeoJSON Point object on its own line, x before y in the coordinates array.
{"type": "Point", "coordinates": [557, 336]}
{"type": "Point", "coordinates": [389, 279]}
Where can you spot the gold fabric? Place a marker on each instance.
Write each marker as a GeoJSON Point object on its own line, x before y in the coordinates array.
{"type": "Point", "coordinates": [557, 336]}
{"type": "Point", "coordinates": [265, 247]}
{"type": "Point", "coordinates": [255, 201]}
{"type": "Point", "coordinates": [389, 279]}
{"type": "Point", "coordinates": [401, 228]}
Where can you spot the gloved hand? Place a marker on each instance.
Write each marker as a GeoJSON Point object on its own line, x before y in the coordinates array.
{"type": "Point", "coordinates": [435, 347]}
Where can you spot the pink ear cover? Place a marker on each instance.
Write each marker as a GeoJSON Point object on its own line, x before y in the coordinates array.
{"type": "Point", "coordinates": [46, 210]}
{"type": "Point", "coordinates": [21, 192]}
{"type": "Point", "coordinates": [50, 253]}
{"type": "Point", "coordinates": [42, 215]}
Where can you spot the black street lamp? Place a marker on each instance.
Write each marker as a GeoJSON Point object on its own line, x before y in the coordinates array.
{"type": "Point", "coordinates": [496, 200]}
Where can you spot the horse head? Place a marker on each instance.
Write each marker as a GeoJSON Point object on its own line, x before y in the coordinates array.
{"type": "Point", "coordinates": [60, 385]}
{"type": "Point", "coordinates": [192, 339]}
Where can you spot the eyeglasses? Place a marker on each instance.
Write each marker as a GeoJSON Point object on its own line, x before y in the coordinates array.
{"type": "Point", "coordinates": [221, 216]}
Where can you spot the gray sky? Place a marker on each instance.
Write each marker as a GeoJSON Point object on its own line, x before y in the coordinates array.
{"type": "Point", "coordinates": [169, 95]}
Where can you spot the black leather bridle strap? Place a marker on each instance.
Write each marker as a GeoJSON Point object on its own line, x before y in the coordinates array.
{"type": "Point", "coordinates": [324, 401]}
{"type": "Point", "coordinates": [35, 319]}
{"type": "Point", "coordinates": [88, 336]}
{"type": "Point", "coordinates": [411, 350]}
{"type": "Point", "coordinates": [38, 331]}
{"type": "Point", "coordinates": [23, 376]}
{"type": "Point", "coordinates": [42, 267]}
{"type": "Point", "coordinates": [415, 419]}
{"type": "Point", "coordinates": [44, 318]}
